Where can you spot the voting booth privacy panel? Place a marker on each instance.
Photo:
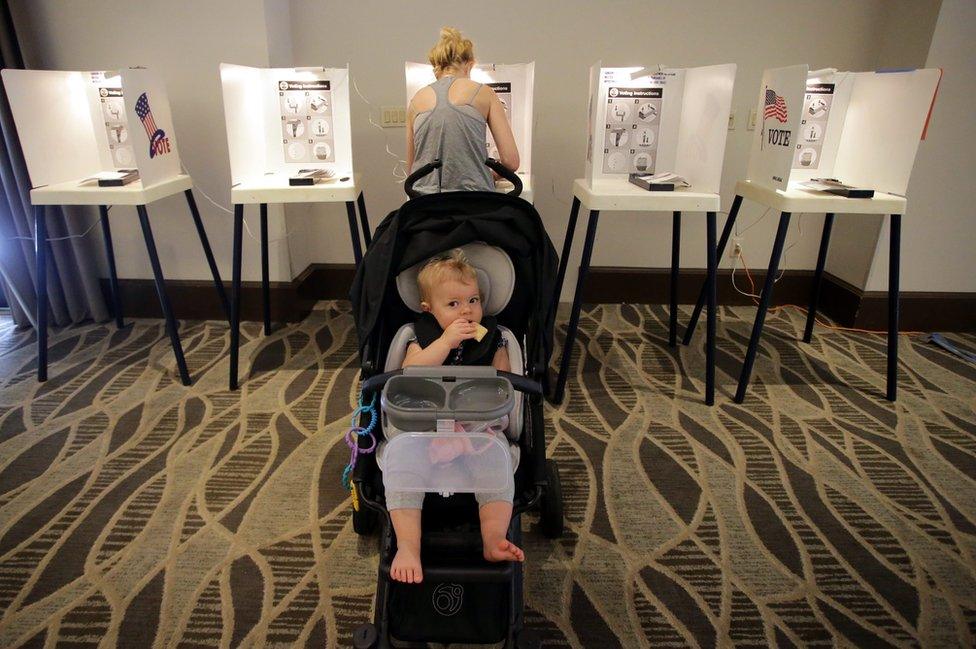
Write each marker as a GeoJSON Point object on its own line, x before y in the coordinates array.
{"type": "Point", "coordinates": [656, 119]}
{"type": "Point", "coordinates": [513, 83]}
{"type": "Point", "coordinates": [861, 128]}
{"type": "Point", "coordinates": [283, 120]}
{"type": "Point", "coordinates": [75, 125]}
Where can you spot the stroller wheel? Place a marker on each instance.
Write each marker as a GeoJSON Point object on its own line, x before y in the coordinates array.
{"type": "Point", "coordinates": [365, 637]}
{"type": "Point", "coordinates": [364, 521]}
{"type": "Point", "coordinates": [551, 518]}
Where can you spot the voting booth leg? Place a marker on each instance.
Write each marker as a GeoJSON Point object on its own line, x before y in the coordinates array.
{"type": "Point", "coordinates": [722, 242]}
{"type": "Point", "coordinates": [711, 290]}
{"type": "Point", "coordinates": [171, 326]}
{"type": "Point", "coordinates": [265, 283]}
{"type": "Point", "coordinates": [364, 220]}
{"type": "Point", "coordinates": [40, 259]}
{"type": "Point", "coordinates": [357, 251]}
{"type": "Point", "coordinates": [564, 258]}
{"type": "Point", "coordinates": [113, 278]}
{"type": "Point", "coordinates": [818, 277]}
{"type": "Point", "coordinates": [894, 266]}
{"type": "Point", "coordinates": [675, 266]}
{"type": "Point", "coordinates": [235, 295]}
{"type": "Point", "coordinates": [574, 314]}
{"type": "Point", "coordinates": [764, 299]}
{"type": "Point", "coordinates": [207, 251]}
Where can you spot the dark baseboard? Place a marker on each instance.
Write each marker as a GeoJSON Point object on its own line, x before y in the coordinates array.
{"type": "Point", "coordinates": [845, 304]}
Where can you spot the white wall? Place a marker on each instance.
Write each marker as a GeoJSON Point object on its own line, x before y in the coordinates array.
{"type": "Point", "coordinates": [939, 229]}
{"type": "Point", "coordinates": [186, 40]}
{"type": "Point", "coordinates": [565, 38]}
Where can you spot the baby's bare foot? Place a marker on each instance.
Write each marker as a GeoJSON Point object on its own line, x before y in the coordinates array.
{"type": "Point", "coordinates": [406, 567]}
{"type": "Point", "coordinates": [503, 550]}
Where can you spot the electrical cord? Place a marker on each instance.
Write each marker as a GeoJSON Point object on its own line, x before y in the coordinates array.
{"type": "Point", "coordinates": [399, 169]}
{"type": "Point", "coordinates": [65, 238]}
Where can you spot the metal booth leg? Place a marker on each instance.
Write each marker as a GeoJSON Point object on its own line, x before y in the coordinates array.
{"type": "Point", "coordinates": [567, 248]}
{"type": "Point", "coordinates": [574, 314]}
{"type": "Point", "coordinates": [711, 290]}
{"type": "Point", "coordinates": [357, 251]}
{"type": "Point", "coordinates": [207, 251]}
{"type": "Point", "coordinates": [894, 266]}
{"type": "Point", "coordinates": [40, 259]}
{"type": "Point", "coordinates": [722, 242]}
{"type": "Point", "coordinates": [764, 299]}
{"type": "Point", "coordinates": [265, 283]}
{"type": "Point", "coordinates": [818, 277]}
{"type": "Point", "coordinates": [113, 277]}
{"type": "Point", "coordinates": [171, 325]}
{"type": "Point", "coordinates": [364, 219]}
{"type": "Point", "coordinates": [235, 295]}
{"type": "Point", "coordinates": [675, 269]}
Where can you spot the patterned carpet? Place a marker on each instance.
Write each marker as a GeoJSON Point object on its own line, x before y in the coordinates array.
{"type": "Point", "coordinates": [135, 512]}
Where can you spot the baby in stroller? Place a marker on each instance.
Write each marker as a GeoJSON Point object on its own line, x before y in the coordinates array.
{"type": "Point", "coordinates": [451, 331]}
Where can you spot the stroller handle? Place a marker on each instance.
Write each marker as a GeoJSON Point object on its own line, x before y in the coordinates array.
{"type": "Point", "coordinates": [491, 163]}
{"type": "Point", "coordinates": [519, 382]}
{"type": "Point", "coordinates": [417, 175]}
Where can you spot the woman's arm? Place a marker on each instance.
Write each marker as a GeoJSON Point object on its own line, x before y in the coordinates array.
{"type": "Point", "coordinates": [411, 113]}
{"type": "Point", "coordinates": [501, 130]}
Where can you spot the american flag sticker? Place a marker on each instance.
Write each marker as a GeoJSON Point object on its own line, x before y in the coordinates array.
{"type": "Point", "coordinates": [774, 106]}
{"type": "Point", "coordinates": [158, 142]}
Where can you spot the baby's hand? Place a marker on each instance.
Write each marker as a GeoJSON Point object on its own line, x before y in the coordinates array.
{"type": "Point", "coordinates": [457, 331]}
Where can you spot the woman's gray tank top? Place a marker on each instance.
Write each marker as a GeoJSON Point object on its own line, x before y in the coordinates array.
{"type": "Point", "coordinates": [456, 135]}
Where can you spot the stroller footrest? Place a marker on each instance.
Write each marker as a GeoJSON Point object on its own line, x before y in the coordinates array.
{"type": "Point", "coordinates": [478, 572]}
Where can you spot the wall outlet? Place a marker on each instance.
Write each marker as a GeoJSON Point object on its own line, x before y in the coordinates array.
{"type": "Point", "coordinates": [393, 116]}
{"type": "Point", "coordinates": [731, 121]}
{"type": "Point", "coordinates": [736, 248]}
{"type": "Point", "coordinates": [752, 120]}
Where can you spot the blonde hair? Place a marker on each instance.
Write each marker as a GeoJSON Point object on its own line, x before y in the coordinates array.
{"type": "Point", "coordinates": [452, 265]}
{"type": "Point", "coordinates": [451, 50]}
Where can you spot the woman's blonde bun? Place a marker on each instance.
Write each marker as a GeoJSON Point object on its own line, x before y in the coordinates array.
{"type": "Point", "coordinates": [451, 50]}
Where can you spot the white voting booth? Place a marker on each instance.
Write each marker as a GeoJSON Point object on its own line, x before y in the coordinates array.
{"type": "Point", "coordinates": [77, 128]}
{"type": "Point", "coordinates": [75, 125]}
{"type": "Point", "coordinates": [657, 119]}
{"type": "Point", "coordinates": [650, 120]}
{"type": "Point", "coordinates": [862, 128]}
{"type": "Point", "coordinates": [282, 120]}
{"type": "Point", "coordinates": [859, 128]}
{"type": "Point", "coordinates": [514, 84]}
{"type": "Point", "coordinates": [289, 138]}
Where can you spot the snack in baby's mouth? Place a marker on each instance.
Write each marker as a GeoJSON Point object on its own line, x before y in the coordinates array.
{"type": "Point", "coordinates": [479, 332]}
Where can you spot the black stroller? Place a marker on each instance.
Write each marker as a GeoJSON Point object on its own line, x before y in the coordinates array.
{"type": "Point", "coordinates": [463, 598]}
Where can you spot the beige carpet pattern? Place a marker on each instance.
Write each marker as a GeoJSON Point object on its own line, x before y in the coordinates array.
{"type": "Point", "coordinates": [135, 512]}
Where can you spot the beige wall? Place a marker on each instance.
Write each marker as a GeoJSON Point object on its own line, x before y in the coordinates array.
{"type": "Point", "coordinates": [185, 41]}
{"type": "Point", "coordinates": [939, 229]}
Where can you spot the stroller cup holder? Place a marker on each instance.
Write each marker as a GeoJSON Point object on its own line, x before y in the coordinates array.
{"type": "Point", "coordinates": [420, 397]}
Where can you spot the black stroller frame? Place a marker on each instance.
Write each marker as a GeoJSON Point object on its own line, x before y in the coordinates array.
{"type": "Point", "coordinates": [458, 583]}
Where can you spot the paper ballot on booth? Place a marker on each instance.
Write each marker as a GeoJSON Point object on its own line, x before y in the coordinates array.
{"type": "Point", "coordinates": [281, 120]}
{"type": "Point", "coordinates": [512, 83]}
{"type": "Point", "coordinates": [862, 128]}
{"type": "Point", "coordinates": [657, 119]}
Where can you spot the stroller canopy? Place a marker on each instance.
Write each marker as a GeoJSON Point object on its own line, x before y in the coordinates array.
{"type": "Point", "coordinates": [433, 223]}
